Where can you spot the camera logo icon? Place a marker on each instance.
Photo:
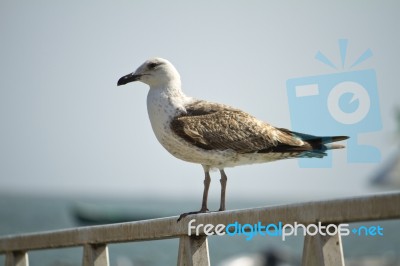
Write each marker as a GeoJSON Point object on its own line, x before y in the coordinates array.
{"type": "Point", "coordinates": [360, 98]}
{"type": "Point", "coordinates": [341, 103]}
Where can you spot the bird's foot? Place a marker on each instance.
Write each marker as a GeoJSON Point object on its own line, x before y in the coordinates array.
{"type": "Point", "coordinates": [183, 215]}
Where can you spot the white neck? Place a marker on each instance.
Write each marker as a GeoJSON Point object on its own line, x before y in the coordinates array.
{"type": "Point", "coordinates": [166, 101]}
{"type": "Point", "coordinates": [163, 104]}
{"type": "Point", "coordinates": [172, 90]}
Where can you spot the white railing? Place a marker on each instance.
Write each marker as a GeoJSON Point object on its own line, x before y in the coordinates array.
{"type": "Point", "coordinates": [318, 249]}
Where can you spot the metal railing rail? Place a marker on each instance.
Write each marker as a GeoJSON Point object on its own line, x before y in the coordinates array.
{"type": "Point", "coordinates": [193, 250]}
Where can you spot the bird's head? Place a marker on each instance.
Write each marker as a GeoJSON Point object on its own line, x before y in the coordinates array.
{"type": "Point", "coordinates": [155, 72]}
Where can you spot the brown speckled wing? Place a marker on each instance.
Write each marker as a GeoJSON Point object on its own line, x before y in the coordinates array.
{"type": "Point", "coordinates": [214, 126]}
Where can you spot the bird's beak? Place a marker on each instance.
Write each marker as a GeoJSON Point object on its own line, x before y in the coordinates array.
{"type": "Point", "coordinates": [128, 78]}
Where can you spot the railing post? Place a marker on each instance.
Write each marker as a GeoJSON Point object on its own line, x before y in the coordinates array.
{"type": "Point", "coordinates": [18, 258]}
{"type": "Point", "coordinates": [95, 255]}
{"type": "Point", "coordinates": [322, 250]}
{"type": "Point", "coordinates": [193, 251]}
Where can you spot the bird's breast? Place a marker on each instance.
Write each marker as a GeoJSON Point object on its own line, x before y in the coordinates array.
{"type": "Point", "coordinates": [162, 109]}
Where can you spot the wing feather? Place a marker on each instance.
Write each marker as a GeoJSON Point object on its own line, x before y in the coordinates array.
{"type": "Point", "coordinates": [215, 126]}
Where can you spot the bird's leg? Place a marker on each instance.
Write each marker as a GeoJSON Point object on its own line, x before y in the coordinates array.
{"type": "Point", "coordinates": [223, 181]}
{"type": "Point", "coordinates": [207, 181]}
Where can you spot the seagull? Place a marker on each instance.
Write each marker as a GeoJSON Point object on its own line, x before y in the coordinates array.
{"type": "Point", "coordinates": [215, 135]}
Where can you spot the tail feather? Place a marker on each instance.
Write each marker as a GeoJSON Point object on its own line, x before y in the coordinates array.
{"type": "Point", "coordinates": [321, 140]}
{"type": "Point", "coordinates": [334, 146]}
{"type": "Point", "coordinates": [313, 147]}
{"type": "Point", "coordinates": [319, 151]}
{"type": "Point", "coordinates": [320, 144]}
{"type": "Point", "coordinates": [325, 140]}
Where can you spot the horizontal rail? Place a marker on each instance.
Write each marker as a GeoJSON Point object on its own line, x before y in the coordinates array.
{"type": "Point", "coordinates": [356, 209]}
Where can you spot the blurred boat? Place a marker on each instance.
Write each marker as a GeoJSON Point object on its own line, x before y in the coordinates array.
{"type": "Point", "coordinates": [96, 213]}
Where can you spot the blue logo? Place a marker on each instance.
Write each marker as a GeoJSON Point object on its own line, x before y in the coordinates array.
{"type": "Point", "coordinates": [341, 103]}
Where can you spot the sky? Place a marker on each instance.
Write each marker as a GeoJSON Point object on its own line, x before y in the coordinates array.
{"type": "Point", "coordinates": [67, 129]}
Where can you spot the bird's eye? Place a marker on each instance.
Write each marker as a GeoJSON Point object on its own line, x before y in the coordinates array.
{"type": "Point", "coordinates": [152, 65]}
